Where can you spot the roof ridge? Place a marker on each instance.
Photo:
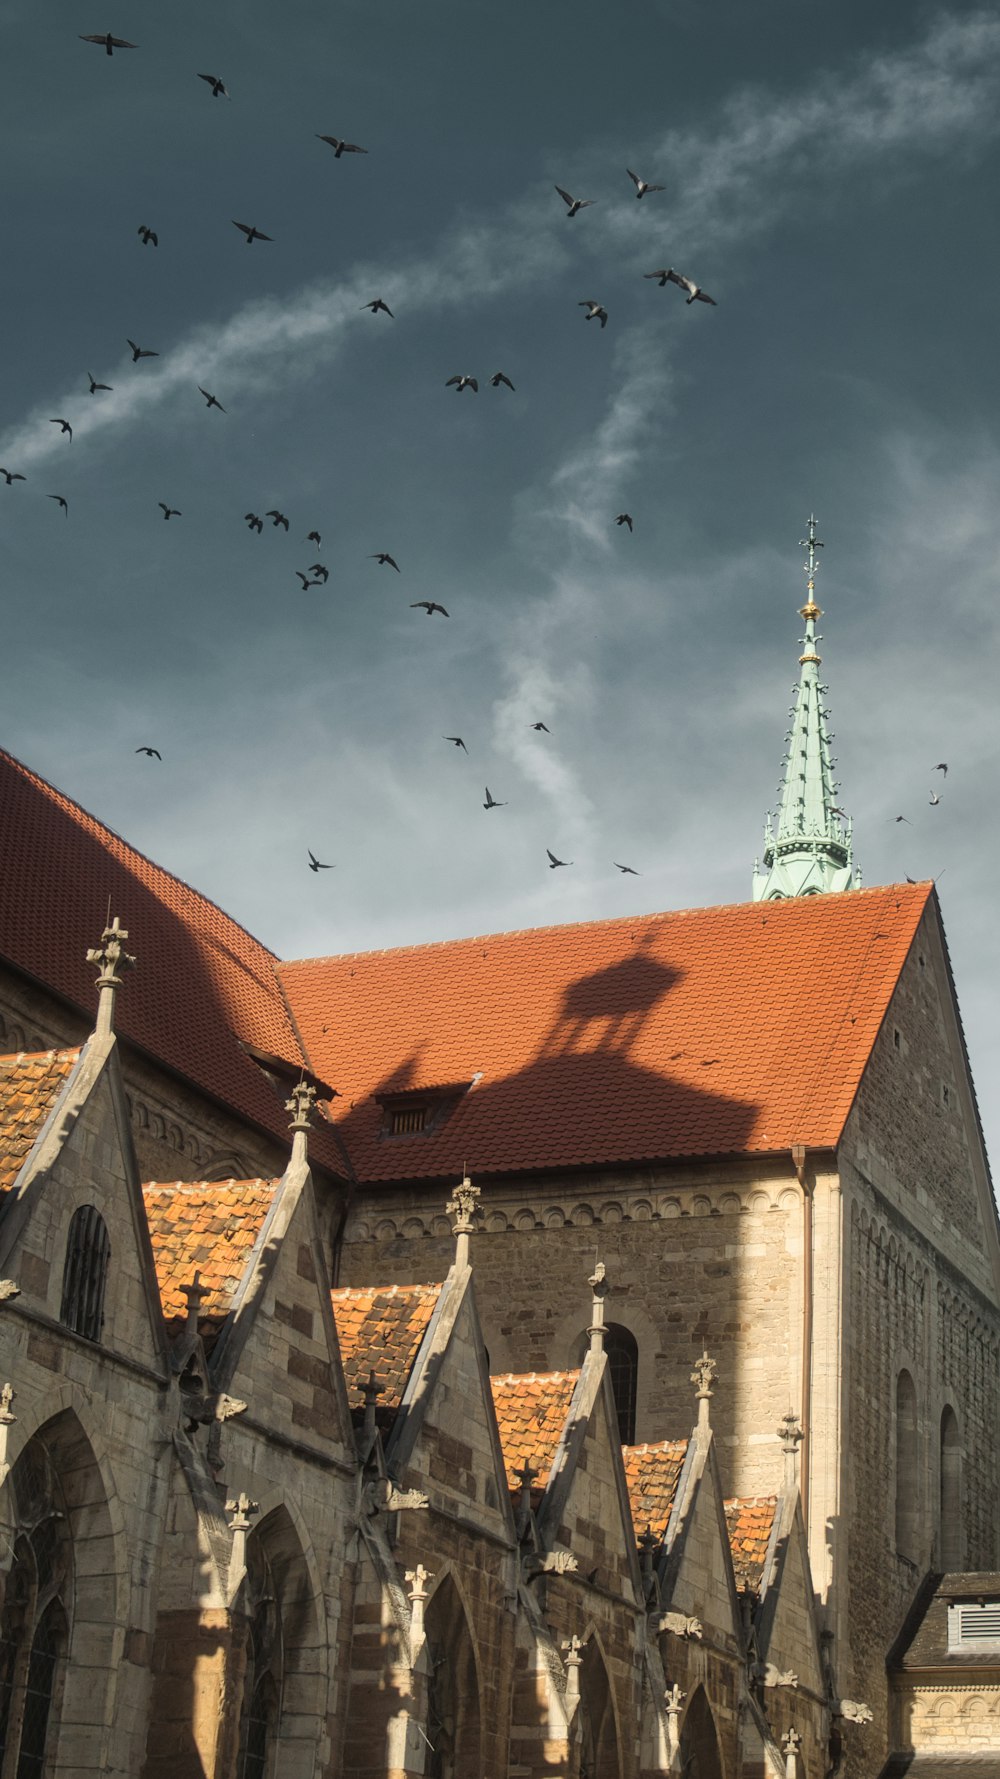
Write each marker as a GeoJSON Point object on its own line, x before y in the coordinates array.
{"type": "Point", "coordinates": [611, 920]}
{"type": "Point", "coordinates": [206, 1185]}
{"type": "Point", "coordinates": [532, 1377]}
{"type": "Point", "coordinates": [198, 895]}
{"type": "Point", "coordinates": [346, 1291]}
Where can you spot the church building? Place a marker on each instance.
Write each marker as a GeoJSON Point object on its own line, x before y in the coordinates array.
{"type": "Point", "coordinates": [571, 1352]}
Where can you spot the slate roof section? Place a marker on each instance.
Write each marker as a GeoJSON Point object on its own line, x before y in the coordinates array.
{"type": "Point", "coordinates": [202, 982]}
{"type": "Point", "coordinates": [209, 1228]}
{"type": "Point", "coordinates": [531, 1409]}
{"type": "Point", "coordinates": [29, 1086]}
{"type": "Point", "coordinates": [923, 1641]}
{"type": "Point", "coordinates": [380, 1329]}
{"type": "Point", "coordinates": [750, 1521]}
{"type": "Point", "coordinates": [652, 1473]}
{"type": "Point", "coordinates": [717, 1031]}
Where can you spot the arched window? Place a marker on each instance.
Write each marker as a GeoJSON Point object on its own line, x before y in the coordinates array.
{"type": "Point", "coordinates": [952, 1506]}
{"type": "Point", "coordinates": [623, 1365]}
{"type": "Point", "coordinates": [598, 1732]}
{"type": "Point", "coordinates": [700, 1758]}
{"type": "Point", "coordinates": [34, 1628]}
{"type": "Point", "coordinates": [453, 1725]}
{"type": "Point", "coordinates": [907, 1496]}
{"type": "Point", "coordinates": [85, 1273]}
{"type": "Point", "coordinates": [263, 1674]}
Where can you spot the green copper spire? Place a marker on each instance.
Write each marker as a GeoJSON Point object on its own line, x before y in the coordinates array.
{"type": "Point", "coordinates": [807, 849]}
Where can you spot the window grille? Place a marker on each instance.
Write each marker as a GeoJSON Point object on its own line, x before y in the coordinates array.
{"type": "Point", "coordinates": [404, 1121]}
{"type": "Point", "coordinates": [622, 1350]}
{"type": "Point", "coordinates": [88, 1251]}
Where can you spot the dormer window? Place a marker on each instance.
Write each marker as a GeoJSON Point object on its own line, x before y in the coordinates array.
{"type": "Point", "coordinates": [418, 1111]}
{"type": "Point", "coordinates": [974, 1625]}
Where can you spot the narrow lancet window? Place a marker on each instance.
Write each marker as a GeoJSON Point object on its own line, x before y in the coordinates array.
{"type": "Point", "coordinates": [85, 1274]}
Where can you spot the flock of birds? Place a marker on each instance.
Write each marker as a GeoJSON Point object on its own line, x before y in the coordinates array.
{"type": "Point", "coordinates": [317, 573]}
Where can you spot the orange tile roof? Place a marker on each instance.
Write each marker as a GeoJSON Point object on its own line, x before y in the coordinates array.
{"type": "Point", "coordinates": [750, 1522]}
{"type": "Point", "coordinates": [716, 1031]}
{"type": "Point", "coordinates": [209, 1228]}
{"type": "Point", "coordinates": [531, 1412]}
{"type": "Point", "coordinates": [380, 1329]}
{"type": "Point", "coordinates": [29, 1085]}
{"type": "Point", "coordinates": [202, 982]}
{"type": "Point", "coordinates": [652, 1473]}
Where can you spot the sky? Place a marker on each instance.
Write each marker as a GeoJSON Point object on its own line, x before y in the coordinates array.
{"type": "Point", "coordinates": [830, 177]}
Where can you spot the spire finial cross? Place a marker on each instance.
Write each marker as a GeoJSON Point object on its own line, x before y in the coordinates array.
{"type": "Point", "coordinates": [300, 1103]}
{"type": "Point", "coordinates": [113, 958]}
{"type": "Point", "coordinates": [811, 543]}
{"type": "Point", "coordinates": [703, 1377]}
{"type": "Point", "coordinates": [599, 1286]}
{"type": "Point", "coordinates": [194, 1293]}
{"type": "Point", "coordinates": [463, 1206]}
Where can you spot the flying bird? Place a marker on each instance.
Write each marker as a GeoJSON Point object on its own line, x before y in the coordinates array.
{"type": "Point", "coordinates": [65, 426]}
{"type": "Point", "coordinates": [140, 352]}
{"type": "Point", "coordinates": [340, 147]}
{"type": "Point", "coordinates": [942, 766]}
{"type": "Point", "coordinates": [624, 519]}
{"type": "Point", "coordinates": [252, 234]}
{"type": "Point", "coordinates": [595, 311]}
{"type": "Point", "coordinates": [934, 799]}
{"type": "Point", "coordinates": [12, 475]}
{"type": "Point", "coordinates": [255, 523]}
{"type": "Point", "coordinates": [313, 537]}
{"type": "Point", "coordinates": [278, 518]}
{"type": "Point", "coordinates": [211, 400]}
{"type": "Point", "coordinates": [110, 43]}
{"type": "Point", "coordinates": [429, 606]}
{"type": "Point", "coordinates": [63, 503]}
{"type": "Point", "coordinates": [541, 726]}
{"type": "Point", "coordinates": [696, 294]}
{"type": "Point", "coordinates": [498, 377]}
{"type": "Point", "coordinates": [153, 752]}
{"type": "Point", "coordinates": [304, 578]}
{"type": "Point", "coordinates": [462, 383]}
{"type": "Point", "coordinates": [94, 387]}
{"type": "Point", "coordinates": [642, 186]}
{"type": "Point", "coordinates": [901, 818]}
{"type": "Point", "coordinates": [218, 87]}
{"type": "Point", "coordinates": [575, 204]}
{"type": "Point", "coordinates": [316, 865]}
{"type": "Point", "coordinates": [457, 739]}
{"type": "Point", "coordinates": [169, 512]}
{"type": "Point", "coordinates": [491, 802]}
{"type": "Point", "coordinates": [384, 560]}
{"type": "Point", "coordinates": [321, 573]}
{"type": "Point", "coordinates": [554, 862]}
{"type": "Point", "coordinates": [629, 870]}
{"type": "Point", "coordinates": [377, 305]}
{"type": "Point", "coordinates": [148, 235]}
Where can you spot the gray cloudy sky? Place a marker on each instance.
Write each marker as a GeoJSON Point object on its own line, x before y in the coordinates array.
{"type": "Point", "coordinates": [831, 177]}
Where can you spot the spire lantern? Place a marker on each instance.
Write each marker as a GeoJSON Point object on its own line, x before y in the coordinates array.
{"type": "Point", "coordinates": [807, 845]}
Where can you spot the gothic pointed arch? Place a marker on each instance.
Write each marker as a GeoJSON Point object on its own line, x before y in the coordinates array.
{"type": "Point", "coordinates": [453, 1709]}
{"type": "Point", "coordinates": [952, 1504]}
{"type": "Point", "coordinates": [907, 1517]}
{"type": "Point", "coordinates": [599, 1750]}
{"type": "Point", "coordinates": [60, 1622]}
{"type": "Point", "coordinates": [701, 1757]}
{"type": "Point", "coordinates": [282, 1705]}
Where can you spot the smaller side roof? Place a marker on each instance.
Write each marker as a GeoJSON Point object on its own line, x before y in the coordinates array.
{"type": "Point", "coordinates": [750, 1521]}
{"type": "Point", "coordinates": [652, 1473]}
{"type": "Point", "coordinates": [380, 1329]}
{"type": "Point", "coordinates": [923, 1640]}
{"type": "Point", "coordinates": [208, 1227]}
{"type": "Point", "coordinates": [531, 1409]}
{"type": "Point", "coordinates": [29, 1085]}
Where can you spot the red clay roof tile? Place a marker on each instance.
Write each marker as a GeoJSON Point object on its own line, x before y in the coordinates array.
{"type": "Point", "coordinates": [29, 1086]}
{"type": "Point", "coordinates": [203, 982]}
{"type": "Point", "coordinates": [208, 1228]}
{"type": "Point", "coordinates": [750, 1521]}
{"type": "Point", "coordinates": [652, 1473]}
{"type": "Point", "coordinates": [380, 1329]}
{"type": "Point", "coordinates": [715, 1031]}
{"type": "Point", "coordinates": [531, 1409]}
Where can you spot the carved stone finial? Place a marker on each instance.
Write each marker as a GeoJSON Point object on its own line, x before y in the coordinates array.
{"type": "Point", "coordinates": [791, 1436]}
{"type": "Point", "coordinates": [648, 1543]}
{"type": "Point", "coordinates": [113, 958]}
{"type": "Point", "coordinates": [703, 1377]}
{"type": "Point", "coordinates": [673, 1700]}
{"type": "Point", "coordinates": [574, 1662]}
{"type": "Point", "coordinates": [371, 1393]}
{"type": "Point", "coordinates": [300, 1103]}
{"type": "Point", "coordinates": [791, 1746]}
{"type": "Point", "coordinates": [194, 1293]}
{"type": "Point", "coordinates": [463, 1207]}
{"type": "Point", "coordinates": [7, 1419]}
{"type": "Point", "coordinates": [416, 1580]}
{"type": "Point", "coordinates": [599, 1286]}
{"type": "Point", "coordinates": [242, 1510]}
